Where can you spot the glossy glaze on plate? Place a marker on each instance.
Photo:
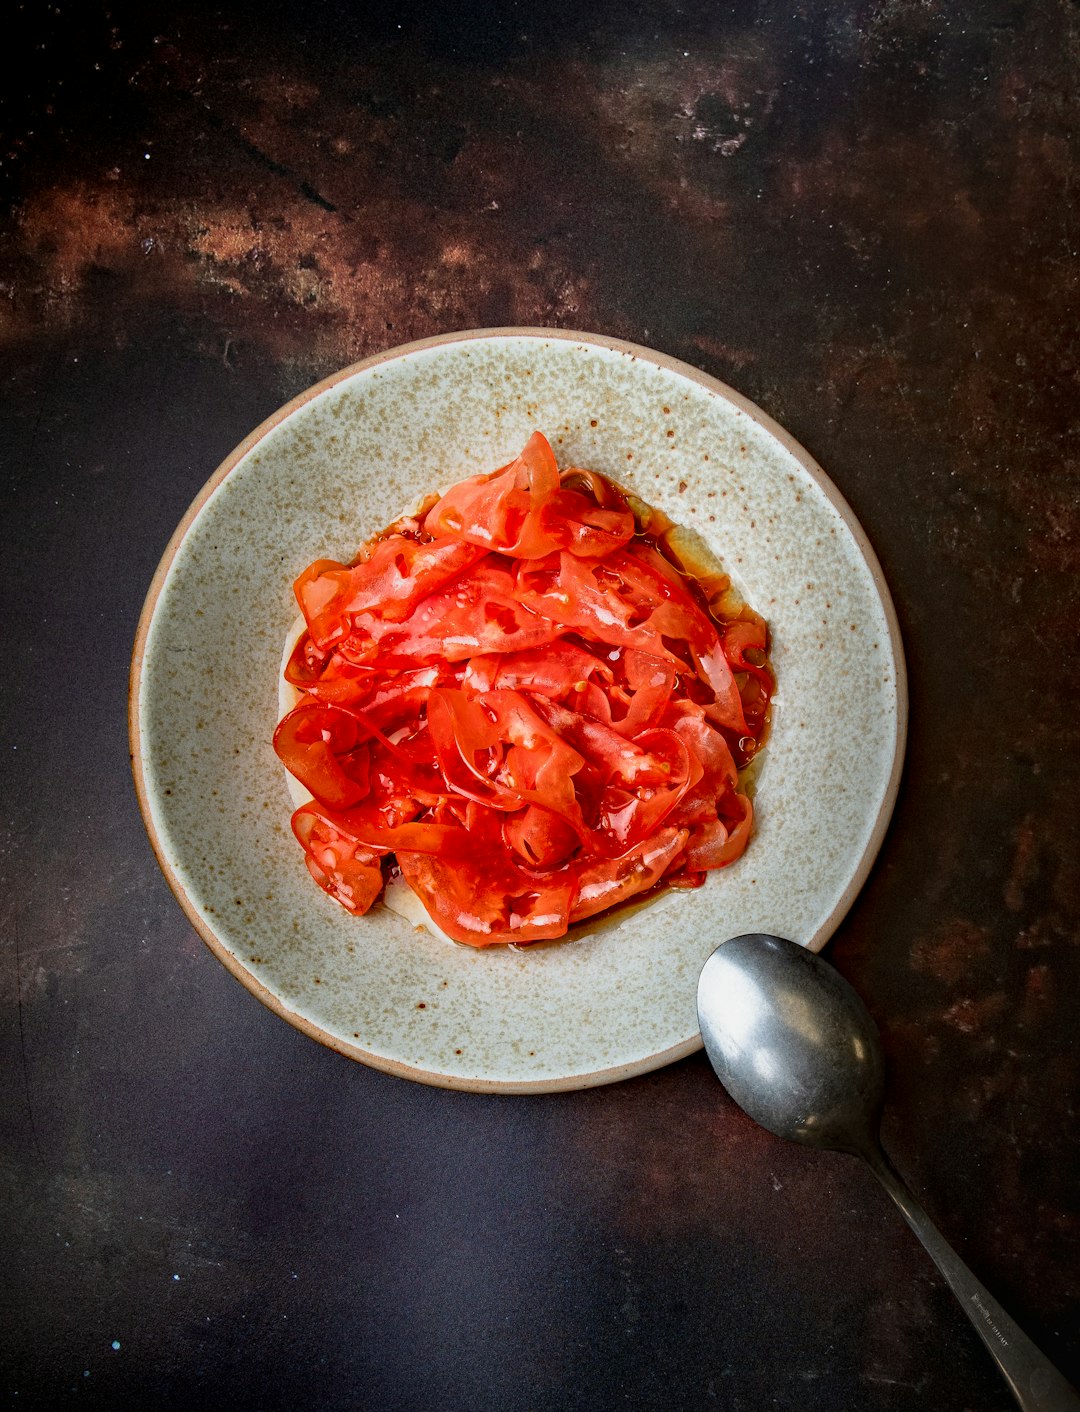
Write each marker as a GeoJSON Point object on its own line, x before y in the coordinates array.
{"type": "Point", "coordinates": [339, 463]}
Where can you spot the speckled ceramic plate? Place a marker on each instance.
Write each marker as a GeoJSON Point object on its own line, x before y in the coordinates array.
{"type": "Point", "coordinates": [343, 460]}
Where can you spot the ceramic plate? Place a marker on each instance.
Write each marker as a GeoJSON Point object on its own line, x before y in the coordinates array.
{"type": "Point", "coordinates": [343, 460]}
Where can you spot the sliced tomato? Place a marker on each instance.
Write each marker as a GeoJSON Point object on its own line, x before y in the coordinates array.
{"type": "Point", "coordinates": [499, 751]}
{"type": "Point", "coordinates": [340, 864]}
{"type": "Point", "coordinates": [622, 601]}
{"type": "Point", "coordinates": [526, 703]}
{"type": "Point", "coordinates": [711, 750]}
{"type": "Point", "coordinates": [645, 789]}
{"type": "Point", "coordinates": [501, 511]}
{"type": "Point", "coordinates": [399, 700]}
{"type": "Point", "coordinates": [559, 670]}
{"type": "Point", "coordinates": [569, 520]}
{"type": "Point", "coordinates": [481, 614]}
{"type": "Point", "coordinates": [524, 510]}
{"type": "Point", "coordinates": [323, 747]}
{"type": "Point", "coordinates": [741, 637]}
{"type": "Point", "coordinates": [369, 827]}
{"type": "Point", "coordinates": [719, 841]}
{"type": "Point", "coordinates": [485, 901]}
{"type": "Point", "coordinates": [398, 575]}
{"type": "Point", "coordinates": [326, 675]}
{"type": "Point", "coordinates": [605, 882]}
{"type": "Point", "coordinates": [650, 681]}
{"type": "Point", "coordinates": [540, 838]}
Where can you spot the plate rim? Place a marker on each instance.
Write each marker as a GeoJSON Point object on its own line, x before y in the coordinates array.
{"type": "Point", "coordinates": [635, 351]}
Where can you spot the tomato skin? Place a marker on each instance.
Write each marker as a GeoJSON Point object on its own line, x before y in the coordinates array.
{"type": "Point", "coordinates": [570, 521]}
{"type": "Point", "coordinates": [525, 758]}
{"type": "Point", "coordinates": [490, 901]}
{"type": "Point", "coordinates": [718, 842]}
{"type": "Point", "coordinates": [321, 746]}
{"type": "Point", "coordinates": [327, 676]}
{"type": "Point", "coordinates": [539, 837]}
{"type": "Point", "coordinates": [556, 670]}
{"type": "Point", "coordinates": [605, 883]}
{"type": "Point", "coordinates": [344, 869]}
{"type": "Point", "coordinates": [370, 829]}
{"type": "Point", "coordinates": [399, 574]}
{"type": "Point", "coordinates": [623, 601]}
{"type": "Point", "coordinates": [523, 702]}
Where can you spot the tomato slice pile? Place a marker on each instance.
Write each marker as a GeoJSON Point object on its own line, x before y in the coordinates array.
{"type": "Point", "coordinates": [524, 702]}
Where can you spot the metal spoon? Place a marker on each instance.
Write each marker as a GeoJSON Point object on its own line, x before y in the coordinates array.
{"type": "Point", "coordinates": [797, 1050]}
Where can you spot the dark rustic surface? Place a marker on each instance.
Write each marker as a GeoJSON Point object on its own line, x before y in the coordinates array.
{"type": "Point", "coordinates": [861, 215]}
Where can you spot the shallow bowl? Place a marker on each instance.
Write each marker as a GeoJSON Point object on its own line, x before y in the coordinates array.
{"type": "Point", "coordinates": [344, 459]}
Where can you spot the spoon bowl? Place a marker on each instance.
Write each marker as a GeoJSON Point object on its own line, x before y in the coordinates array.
{"type": "Point", "coordinates": [798, 1051]}
{"type": "Point", "coordinates": [792, 1043]}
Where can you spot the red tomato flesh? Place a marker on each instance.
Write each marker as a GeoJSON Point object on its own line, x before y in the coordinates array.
{"type": "Point", "coordinates": [527, 704]}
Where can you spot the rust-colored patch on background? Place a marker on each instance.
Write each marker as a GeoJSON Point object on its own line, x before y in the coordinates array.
{"type": "Point", "coordinates": [971, 1016]}
{"type": "Point", "coordinates": [951, 952]}
{"type": "Point", "coordinates": [1024, 865]}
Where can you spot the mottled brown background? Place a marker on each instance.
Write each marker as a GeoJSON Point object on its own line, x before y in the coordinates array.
{"type": "Point", "coordinates": [859, 214]}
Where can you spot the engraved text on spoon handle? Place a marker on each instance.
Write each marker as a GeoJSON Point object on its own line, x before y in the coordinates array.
{"type": "Point", "coordinates": [1035, 1382]}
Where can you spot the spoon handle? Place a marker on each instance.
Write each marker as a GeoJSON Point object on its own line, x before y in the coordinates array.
{"type": "Point", "coordinates": [1035, 1382]}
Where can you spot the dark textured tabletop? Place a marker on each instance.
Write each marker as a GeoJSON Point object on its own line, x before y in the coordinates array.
{"type": "Point", "coordinates": [861, 216]}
